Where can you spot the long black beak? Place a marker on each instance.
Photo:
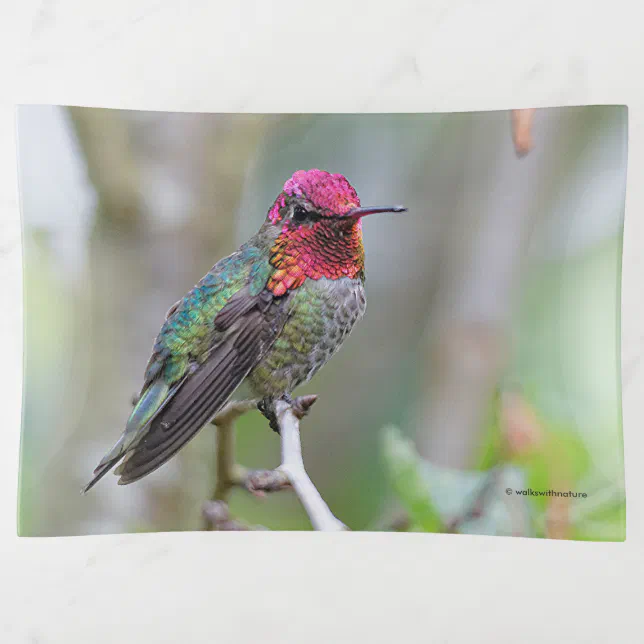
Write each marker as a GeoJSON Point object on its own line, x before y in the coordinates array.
{"type": "Point", "coordinates": [369, 210]}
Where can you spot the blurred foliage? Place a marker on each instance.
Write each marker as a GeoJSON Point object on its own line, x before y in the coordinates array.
{"type": "Point", "coordinates": [580, 446]}
{"type": "Point", "coordinates": [404, 469]}
{"type": "Point", "coordinates": [562, 462]}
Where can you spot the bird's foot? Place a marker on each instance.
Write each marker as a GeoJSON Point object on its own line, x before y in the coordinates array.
{"type": "Point", "coordinates": [266, 407]}
{"type": "Point", "coordinates": [300, 406]}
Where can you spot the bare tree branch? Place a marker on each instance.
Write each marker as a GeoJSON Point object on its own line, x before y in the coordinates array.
{"type": "Point", "coordinates": [290, 474]}
{"type": "Point", "coordinates": [228, 474]}
{"type": "Point", "coordinates": [293, 465]}
{"type": "Point", "coordinates": [218, 515]}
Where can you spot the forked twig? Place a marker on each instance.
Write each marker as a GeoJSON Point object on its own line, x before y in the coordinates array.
{"type": "Point", "coordinates": [290, 474]}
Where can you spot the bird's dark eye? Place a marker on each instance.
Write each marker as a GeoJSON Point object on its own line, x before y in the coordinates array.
{"type": "Point", "coordinates": [299, 214]}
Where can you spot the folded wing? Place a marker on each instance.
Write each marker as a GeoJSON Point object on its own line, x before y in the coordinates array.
{"type": "Point", "coordinates": [244, 330]}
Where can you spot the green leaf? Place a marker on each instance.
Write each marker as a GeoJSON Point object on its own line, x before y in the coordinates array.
{"type": "Point", "coordinates": [404, 468]}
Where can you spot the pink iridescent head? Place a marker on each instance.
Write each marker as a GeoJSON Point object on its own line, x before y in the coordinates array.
{"type": "Point", "coordinates": [319, 220]}
{"type": "Point", "coordinates": [323, 194]}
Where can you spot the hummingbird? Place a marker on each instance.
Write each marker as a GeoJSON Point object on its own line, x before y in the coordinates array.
{"type": "Point", "coordinates": [271, 314]}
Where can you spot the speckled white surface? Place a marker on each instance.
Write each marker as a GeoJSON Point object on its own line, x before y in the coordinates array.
{"type": "Point", "coordinates": [258, 55]}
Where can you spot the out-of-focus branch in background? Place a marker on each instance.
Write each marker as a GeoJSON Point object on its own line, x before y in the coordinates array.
{"type": "Point", "coordinates": [104, 139]}
{"type": "Point", "coordinates": [468, 344]}
{"type": "Point", "coordinates": [224, 149]}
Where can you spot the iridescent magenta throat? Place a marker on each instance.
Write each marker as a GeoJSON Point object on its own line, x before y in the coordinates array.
{"type": "Point", "coordinates": [322, 250]}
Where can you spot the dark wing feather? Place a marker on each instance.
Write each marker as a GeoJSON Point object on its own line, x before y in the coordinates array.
{"type": "Point", "coordinates": [249, 324]}
{"type": "Point", "coordinates": [194, 405]}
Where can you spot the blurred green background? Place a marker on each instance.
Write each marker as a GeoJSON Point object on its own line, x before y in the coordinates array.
{"type": "Point", "coordinates": [488, 359]}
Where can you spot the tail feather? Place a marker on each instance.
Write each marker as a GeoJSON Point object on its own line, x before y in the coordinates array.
{"type": "Point", "coordinates": [149, 405]}
{"type": "Point", "coordinates": [100, 472]}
